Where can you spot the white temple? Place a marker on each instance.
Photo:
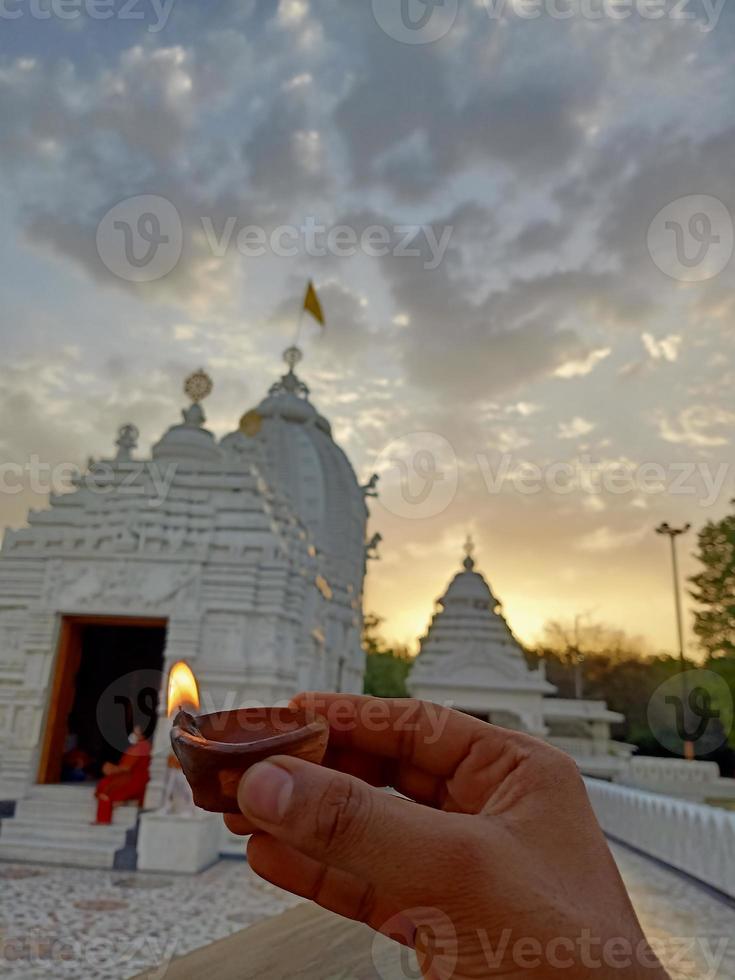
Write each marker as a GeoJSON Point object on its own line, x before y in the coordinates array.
{"type": "Point", "coordinates": [470, 659]}
{"type": "Point", "coordinates": [244, 557]}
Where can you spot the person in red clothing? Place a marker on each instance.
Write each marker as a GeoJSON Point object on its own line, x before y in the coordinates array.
{"type": "Point", "coordinates": [125, 780]}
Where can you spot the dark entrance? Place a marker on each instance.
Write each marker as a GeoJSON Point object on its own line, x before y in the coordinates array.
{"type": "Point", "coordinates": [108, 678]}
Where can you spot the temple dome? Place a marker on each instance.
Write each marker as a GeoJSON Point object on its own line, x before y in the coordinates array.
{"type": "Point", "coordinates": [288, 399]}
{"type": "Point", "coordinates": [468, 585]}
{"type": "Point", "coordinates": [470, 659]}
{"type": "Point", "coordinates": [470, 649]}
{"type": "Point", "coordinates": [188, 441]}
{"type": "Point", "coordinates": [292, 444]}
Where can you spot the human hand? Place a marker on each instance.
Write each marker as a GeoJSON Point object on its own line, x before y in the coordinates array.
{"type": "Point", "coordinates": [494, 867]}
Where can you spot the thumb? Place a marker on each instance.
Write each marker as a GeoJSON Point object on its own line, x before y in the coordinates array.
{"type": "Point", "coordinates": [344, 823]}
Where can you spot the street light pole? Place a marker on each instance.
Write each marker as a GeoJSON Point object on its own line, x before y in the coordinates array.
{"type": "Point", "coordinates": [578, 659]}
{"type": "Point", "coordinates": [673, 533]}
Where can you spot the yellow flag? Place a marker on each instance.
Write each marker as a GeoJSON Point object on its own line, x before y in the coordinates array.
{"type": "Point", "coordinates": [312, 304]}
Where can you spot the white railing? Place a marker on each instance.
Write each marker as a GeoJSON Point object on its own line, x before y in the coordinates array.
{"type": "Point", "coordinates": [692, 837]}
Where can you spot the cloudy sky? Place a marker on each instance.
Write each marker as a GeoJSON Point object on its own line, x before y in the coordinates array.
{"type": "Point", "coordinates": [528, 280]}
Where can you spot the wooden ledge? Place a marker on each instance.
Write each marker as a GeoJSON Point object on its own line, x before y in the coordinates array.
{"type": "Point", "coordinates": [304, 943]}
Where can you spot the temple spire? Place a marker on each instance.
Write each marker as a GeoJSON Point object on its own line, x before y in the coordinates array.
{"type": "Point", "coordinates": [291, 382]}
{"type": "Point", "coordinates": [469, 550]}
{"type": "Point", "coordinates": [127, 441]}
{"type": "Point", "coordinates": [292, 356]}
{"type": "Point", "coordinates": [197, 387]}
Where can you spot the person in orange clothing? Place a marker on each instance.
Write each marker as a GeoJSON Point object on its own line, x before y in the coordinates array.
{"type": "Point", "coordinates": [125, 780]}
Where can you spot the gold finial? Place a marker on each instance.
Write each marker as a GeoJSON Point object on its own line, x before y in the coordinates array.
{"type": "Point", "coordinates": [251, 422]}
{"type": "Point", "coordinates": [198, 386]}
{"type": "Point", "coordinates": [292, 356]}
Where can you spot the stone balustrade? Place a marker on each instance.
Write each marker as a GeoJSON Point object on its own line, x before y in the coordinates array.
{"type": "Point", "coordinates": [662, 771]}
{"type": "Point", "coordinates": [695, 838]}
{"type": "Point", "coordinates": [590, 747]}
{"type": "Point", "coordinates": [697, 781]}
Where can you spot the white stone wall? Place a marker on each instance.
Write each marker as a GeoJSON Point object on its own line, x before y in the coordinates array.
{"type": "Point", "coordinates": [252, 550]}
{"type": "Point", "coordinates": [235, 606]}
{"type": "Point", "coordinates": [694, 838]}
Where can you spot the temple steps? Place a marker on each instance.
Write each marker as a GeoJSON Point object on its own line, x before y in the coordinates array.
{"type": "Point", "coordinates": [19, 829]}
{"type": "Point", "coordinates": [71, 812]}
{"type": "Point", "coordinates": [54, 825]}
{"type": "Point", "coordinates": [41, 851]}
{"type": "Point", "coordinates": [70, 792]}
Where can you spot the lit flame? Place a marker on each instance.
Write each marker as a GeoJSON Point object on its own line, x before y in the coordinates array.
{"type": "Point", "coordinates": [182, 688]}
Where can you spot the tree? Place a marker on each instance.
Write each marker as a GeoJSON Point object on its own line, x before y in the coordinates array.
{"type": "Point", "coordinates": [372, 641]}
{"type": "Point", "coordinates": [620, 670]}
{"type": "Point", "coordinates": [714, 588]}
{"type": "Point", "coordinates": [725, 668]}
{"type": "Point", "coordinates": [386, 668]}
{"type": "Point", "coordinates": [570, 645]}
{"type": "Point", "coordinates": [617, 668]}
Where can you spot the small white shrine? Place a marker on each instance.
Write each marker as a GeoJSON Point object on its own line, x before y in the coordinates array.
{"type": "Point", "coordinates": [470, 659]}
{"type": "Point", "coordinates": [244, 557]}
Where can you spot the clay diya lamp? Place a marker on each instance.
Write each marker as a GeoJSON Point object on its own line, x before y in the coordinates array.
{"type": "Point", "coordinates": [216, 749]}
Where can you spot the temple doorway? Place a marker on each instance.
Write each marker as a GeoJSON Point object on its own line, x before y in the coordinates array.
{"type": "Point", "coordinates": [107, 679]}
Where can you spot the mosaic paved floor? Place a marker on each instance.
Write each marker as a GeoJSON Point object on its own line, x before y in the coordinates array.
{"type": "Point", "coordinates": [692, 931]}
{"type": "Point", "coordinates": [88, 925]}
{"type": "Point", "coordinates": [71, 923]}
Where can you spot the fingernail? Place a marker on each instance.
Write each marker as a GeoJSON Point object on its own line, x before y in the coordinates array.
{"type": "Point", "coordinates": [265, 792]}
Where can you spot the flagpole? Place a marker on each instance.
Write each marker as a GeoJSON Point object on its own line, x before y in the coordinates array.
{"type": "Point", "coordinates": [299, 325]}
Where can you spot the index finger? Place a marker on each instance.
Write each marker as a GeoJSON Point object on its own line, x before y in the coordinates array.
{"type": "Point", "coordinates": [426, 735]}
